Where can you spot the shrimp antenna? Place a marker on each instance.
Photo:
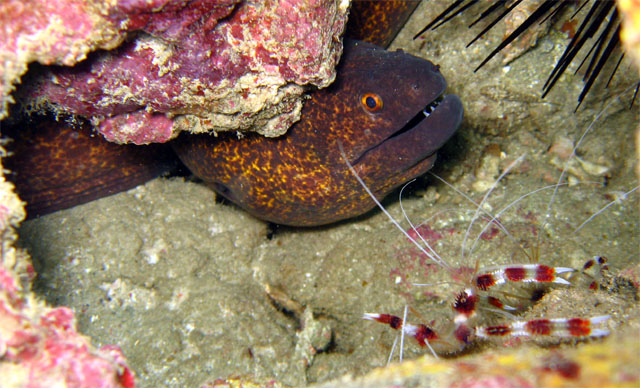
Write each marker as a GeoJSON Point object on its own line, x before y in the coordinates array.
{"type": "Point", "coordinates": [406, 217]}
{"type": "Point", "coordinates": [617, 200]}
{"type": "Point", "coordinates": [573, 153]}
{"type": "Point", "coordinates": [486, 196]}
{"type": "Point", "coordinates": [435, 258]}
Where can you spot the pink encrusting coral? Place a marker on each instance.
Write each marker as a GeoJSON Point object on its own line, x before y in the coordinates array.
{"type": "Point", "coordinates": [49, 32]}
{"type": "Point", "coordinates": [39, 345]}
{"type": "Point", "coordinates": [200, 66]}
{"type": "Point", "coordinates": [47, 351]}
{"type": "Point", "coordinates": [60, 32]}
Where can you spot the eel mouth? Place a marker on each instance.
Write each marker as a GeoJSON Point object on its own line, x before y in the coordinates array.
{"type": "Point", "coordinates": [418, 118]}
{"type": "Point", "coordinates": [419, 138]}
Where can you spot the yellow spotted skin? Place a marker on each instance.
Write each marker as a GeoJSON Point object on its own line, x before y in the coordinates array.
{"type": "Point", "coordinates": [378, 22]}
{"type": "Point", "coordinates": [56, 165]}
{"type": "Point", "coordinates": [301, 178]}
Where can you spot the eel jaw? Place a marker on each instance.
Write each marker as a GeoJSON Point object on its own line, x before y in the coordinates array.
{"type": "Point", "coordinates": [417, 141]}
{"type": "Point", "coordinates": [419, 117]}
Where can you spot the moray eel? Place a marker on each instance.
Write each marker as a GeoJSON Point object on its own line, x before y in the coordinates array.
{"type": "Point", "coordinates": [378, 22]}
{"type": "Point", "coordinates": [388, 111]}
{"type": "Point", "coordinates": [374, 108]}
{"type": "Point", "coordinates": [57, 165]}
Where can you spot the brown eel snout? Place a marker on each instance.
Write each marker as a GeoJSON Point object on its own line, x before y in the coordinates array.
{"type": "Point", "coordinates": [388, 111]}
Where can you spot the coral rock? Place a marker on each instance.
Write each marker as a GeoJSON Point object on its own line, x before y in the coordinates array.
{"type": "Point", "coordinates": [39, 345]}
{"type": "Point", "coordinates": [201, 66]}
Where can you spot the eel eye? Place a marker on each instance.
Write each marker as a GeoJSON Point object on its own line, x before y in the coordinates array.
{"type": "Point", "coordinates": [371, 102]}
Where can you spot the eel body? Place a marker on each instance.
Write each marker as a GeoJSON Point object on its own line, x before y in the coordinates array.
{"type": "Point", "coordinates": [386, 109]}
{"type": "Point", "coordinates": [57, 165]}
{"type": "Point", "coordinates": [378, 22]}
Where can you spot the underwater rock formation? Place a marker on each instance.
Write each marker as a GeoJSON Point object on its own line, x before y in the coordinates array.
{"type": "Point", "coordinates": [35, 31]}
{"type": "Point", "coordinates": [39, 345]}
{"type": "Point", "coordinates": [198, 66]}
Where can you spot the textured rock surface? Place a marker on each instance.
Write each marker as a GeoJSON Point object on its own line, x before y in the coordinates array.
{"type": "Point", "coordinates": [39, 345]}
{"type": "Point", "coordinates": [590, 366]}
{"type": "Point", "coordinates": [50, 32]}
{"type": "Point", "coordinates": [198, 66]}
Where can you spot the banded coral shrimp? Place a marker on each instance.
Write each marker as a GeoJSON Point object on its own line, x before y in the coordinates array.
{"type": "Point", "coordinates": [528, 272]}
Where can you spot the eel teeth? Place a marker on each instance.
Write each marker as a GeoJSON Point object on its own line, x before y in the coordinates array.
{"type": "Point", "coordinates": [431, 107]}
